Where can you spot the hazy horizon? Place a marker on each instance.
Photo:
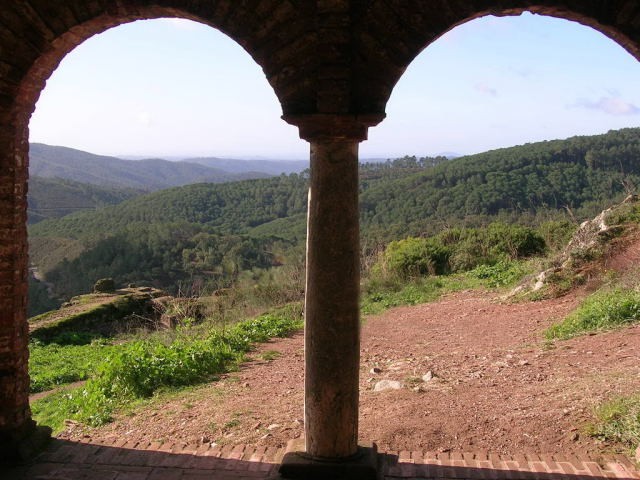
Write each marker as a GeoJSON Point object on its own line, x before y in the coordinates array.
{"type": "Point", "coordinates": [175, 88]}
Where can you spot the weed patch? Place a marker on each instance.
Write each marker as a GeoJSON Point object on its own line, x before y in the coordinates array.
{"type": "Point", "coordinates": [53, 365]}
{"type": "Point", "coordinates": [603, 310]}
{"type": "Point", "coordinates": [382, 293]}
{"type": "Point", "coordinates": [141, 368]}
{"type": "Point", "coordinates": [618, 421]}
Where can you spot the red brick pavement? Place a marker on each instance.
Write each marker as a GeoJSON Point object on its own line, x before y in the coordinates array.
{"type": "Point", "coordinates": [122, 460]}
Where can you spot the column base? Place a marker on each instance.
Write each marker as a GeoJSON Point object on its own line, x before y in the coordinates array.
{"type": "Point", "coordinates": [297, 464]}
{"type": "Point", "coordinates": [17, 447]}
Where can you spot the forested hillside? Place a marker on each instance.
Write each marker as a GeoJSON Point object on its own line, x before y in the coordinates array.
{"type": "Point", "coordinates": [578, 174]}
{"type": "Point", "coordinates": [55, 197]}
{"type": "Point", "coordinates": [150, 174]}
{"type": "Point", "coordinates": [215, 232]}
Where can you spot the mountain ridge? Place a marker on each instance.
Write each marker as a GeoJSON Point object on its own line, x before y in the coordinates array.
{"type": "Point", "coordinates": [150, 174]}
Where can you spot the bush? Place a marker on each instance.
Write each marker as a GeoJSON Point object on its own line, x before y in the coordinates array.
{"type": "Point", "coordinates": [414, 257]}
{"type": "Point", "coordinates": [458, 250]}
{"type": "Point", "coordinates": [104, 285]}
{"type": "Point", "coordinates": [557, 233]}
{"type": "Point", "coordinates": [514, 241]}
{"type": "Point", "coordinates": [501, 274]}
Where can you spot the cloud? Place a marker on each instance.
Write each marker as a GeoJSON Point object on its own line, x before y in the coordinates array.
{"type": "Point", "coordinates": [486, 89]}
{"type": "Point", "coordinates": [610, 105]}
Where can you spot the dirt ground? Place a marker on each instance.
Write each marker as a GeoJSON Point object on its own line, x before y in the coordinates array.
{"type": "Point", "coordinates": [496, 385]}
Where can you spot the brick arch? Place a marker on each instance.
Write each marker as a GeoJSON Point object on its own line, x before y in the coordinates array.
{"type": "Point", "coordinates": [40, 33]}
{"type": "Point", "coordinates": [388, 35]}
{"type": "Point", "coordinates": [35, 35]}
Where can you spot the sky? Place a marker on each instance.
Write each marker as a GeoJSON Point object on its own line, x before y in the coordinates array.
{"type": "Point", "coordinates": [174, 88]}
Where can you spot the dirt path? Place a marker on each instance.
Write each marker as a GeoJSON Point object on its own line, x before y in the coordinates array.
{"type": "Point", "coordinates": [496, 385]}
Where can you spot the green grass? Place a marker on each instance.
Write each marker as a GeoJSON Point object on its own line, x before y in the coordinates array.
{"type": "Point", "coordinates": [143, 367]}
{"type": "Point", "coordinates": [53, 365]}
{"type": "Point", "coordinates": [604, 310]}
{"type": "Point", "coordinates": [382, 294]}
{"type": "Point", "coordinates": [270, 355]}
{"type": "Point", "coordinates": [501, 274]}
{"type": "Point", "coordinates": [618, 421]}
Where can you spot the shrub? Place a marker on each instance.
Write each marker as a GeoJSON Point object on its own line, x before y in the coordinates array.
{"type": "Point", "coordinates": [414, 257]}
{"type": "Point", "coordinates": [501, 274]}
{"type": "Point", "coordinates": [557, 233]}
{"type": "Point", "coordinates": [514, 241]}
{"type": "Point", "coordinates": [104, 285]}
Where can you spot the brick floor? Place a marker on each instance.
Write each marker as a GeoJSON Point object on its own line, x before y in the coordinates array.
{"type": "Point", "coordinates": [65, 460]}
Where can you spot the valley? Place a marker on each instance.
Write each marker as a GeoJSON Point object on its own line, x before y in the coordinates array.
{"type": "Point", "coordinates": [449, 251]}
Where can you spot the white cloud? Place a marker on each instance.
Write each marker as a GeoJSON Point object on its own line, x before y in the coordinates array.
{"type": "Point", "coordinates": [482, 87]}
{"type": "Point", "coordinates": [610, 105]}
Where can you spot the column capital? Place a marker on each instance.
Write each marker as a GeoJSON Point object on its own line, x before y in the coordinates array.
{"type": "Point", "coordinates": [327, 126]}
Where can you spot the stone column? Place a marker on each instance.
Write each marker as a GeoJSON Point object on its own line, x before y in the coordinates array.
{"type": "Point", "coordinates": [332, 319]}
{"type": "Point", "coordinates": [332, 326]}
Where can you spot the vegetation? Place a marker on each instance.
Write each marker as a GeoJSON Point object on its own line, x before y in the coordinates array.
{"type": "Point", "coordinates": [460, 249]}
{"type": "Point", "coordinates": [430, 226]}
{"type": "Point", "coordinates": [149, 174]}
{"type": "Point", "coordinates": [386, 291]}
{"type": "Point", "coordinates": [618, 421]}
{"type": "Point", "coordinates": [601, 311]}
{"type": "Point", "coordinates": [39, 299]}
{"type": "Point", "coordinates": [53, 364]}
{"type": "Point", "coordinates": [104, 285]}
{"type": "Point", "coordinates": [176, 238]}
{"type": "Point", "coordinates": [55, 197]}
{"type": "Point", "coordinates": [140, 368]}
{"type": "Point", "coordinates": [99, 318]}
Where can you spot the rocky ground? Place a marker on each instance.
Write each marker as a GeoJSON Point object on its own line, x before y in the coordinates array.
{"type": "Point", "coordinates": [473, 373]}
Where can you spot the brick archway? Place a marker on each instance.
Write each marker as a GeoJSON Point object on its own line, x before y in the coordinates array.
{"type": "Point", "coordinates": [332, 65]}
{"type": "Point", "coordinates": [413, 25]}
{"type": "Point", "coordinates": [34, 38]}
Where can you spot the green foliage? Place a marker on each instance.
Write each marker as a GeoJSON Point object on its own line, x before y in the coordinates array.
{"type": "Point", "coordinates": [140, 368]}
{"type": "Point", "coordinates": [501, 274]}
{"type": "Point", "coordinates": [102, 319]}
{"type": "Point", "coordinates": [458, 250]}
{"type": "Point", "coordinates": [56, 197]}
{"type": "Point", "coordinates": [57, 364]}
{"type": "Point", "coordinates": [185, 237]}
{"type": "Point", "coordinates": [379, 296]}
{"type": "Point", "coordinates": [527, 180]}
{"type": "Point", "coordinates": [602, 310]}
{"type": "Point", "coordinates": [556, 233]}
{"type": "Point", "coordinates": [628, 213]}
{"type": "Point", "coordinates": [618, 420]}
{"type": "Point", "coordinates": [104, 285]}
{"type": "Point", "coordinates": [414, 257]}
{"type": "Point", "coordinates": [39, 299]}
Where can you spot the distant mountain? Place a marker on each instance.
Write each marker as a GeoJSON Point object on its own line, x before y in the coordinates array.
{"type": "Point", "coordinates": [55, 197]}
{"type": "Point", "coordinates": [271, 167]}
{"type": "Point", "coordinates": [152, 174]}
{"type": "Point", "coordinates": [217, 232]}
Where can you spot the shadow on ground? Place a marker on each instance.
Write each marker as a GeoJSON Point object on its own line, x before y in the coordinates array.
{"type": "Point", "coordinates": [65, 460]}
